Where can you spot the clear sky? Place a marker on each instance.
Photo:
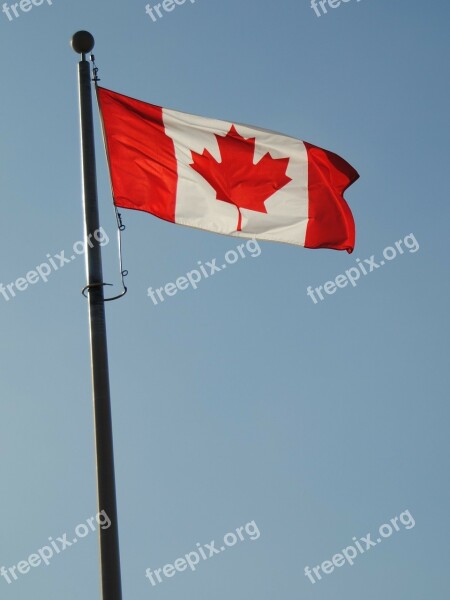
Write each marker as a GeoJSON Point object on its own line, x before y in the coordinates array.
{"type": "Point", "coordinates": [242, 400]}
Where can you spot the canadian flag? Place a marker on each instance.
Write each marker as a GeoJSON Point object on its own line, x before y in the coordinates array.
{"type": "Point", "coordinates": [225, 177]}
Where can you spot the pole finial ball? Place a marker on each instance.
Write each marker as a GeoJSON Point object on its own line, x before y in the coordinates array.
{"type": "Point", "coordinates": [82, 42]}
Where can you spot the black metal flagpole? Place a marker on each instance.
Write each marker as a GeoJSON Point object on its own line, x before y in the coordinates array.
{"type": "Point", "coordinates": [83, 43]}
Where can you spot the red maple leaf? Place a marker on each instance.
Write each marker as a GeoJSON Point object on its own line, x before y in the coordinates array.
{"type": "Point", "coordinates": [237, 179]}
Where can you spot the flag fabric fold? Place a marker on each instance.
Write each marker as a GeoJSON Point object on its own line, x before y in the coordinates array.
{"type": "Point", "coordinates": [225, 177]}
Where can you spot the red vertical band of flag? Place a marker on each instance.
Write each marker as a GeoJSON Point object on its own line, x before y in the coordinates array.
{"type": "Point", "coordinates": [329, 176]}
{"type": "Point", "coordinates": [145, 167]}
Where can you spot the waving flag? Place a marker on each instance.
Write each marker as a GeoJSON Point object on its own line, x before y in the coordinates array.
{"type": "Point", "coordinates": [225, 177]}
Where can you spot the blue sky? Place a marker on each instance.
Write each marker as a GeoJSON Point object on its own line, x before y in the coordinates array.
{"type": "Point", "coordinates": [242, 400]}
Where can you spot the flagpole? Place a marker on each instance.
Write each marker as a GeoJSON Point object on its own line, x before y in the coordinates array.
{"type": "Point", "coordinates": [83, 43]}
